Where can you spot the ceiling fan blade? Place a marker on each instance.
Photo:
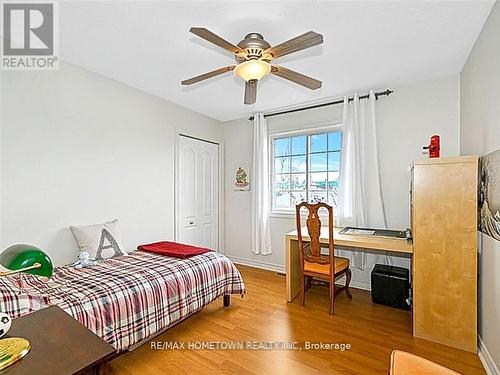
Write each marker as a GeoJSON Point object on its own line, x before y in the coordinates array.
{"type": "Point", "coordinates": [307, 40]}
{"type": "Point", "coordinates": [211, 74]}
{"type": "Point", "coordinates": [299, 78]}
{"type": "Point", "coordinates": [215, 39]}
{"type": "Point", "coordinates": [251, 91]}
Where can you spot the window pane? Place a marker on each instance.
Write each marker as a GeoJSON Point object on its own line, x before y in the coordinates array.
{"type": "Point", "coordinates": [299, 176]}
{"type": "Point", "coordinates": [298, 181]}
{"type": "Point", "coordinates": [317, 181]}
{"type": "Point", "coordinates": [318, 142]}
{"type": "Point", "coordinates": [333, 198]}
{"type": "Point", "coordinates": [334, 141]}
{"type": "Point", "coordinates": [317, 196]}
{"type": "Point", "coordinates": [282, 165]}
{"type": "Point", "coordinates": [282, 182]}
{"type": "Point", "coordinates": [317, 162]}
{"type": "Point", "coordinates": [282, 199]}
{"type": "Point", "coordinates": [281, 146]}
{"type": "Point", "coordinates": [333, 179]}
{"type": "Point", "coordinates": [297, 197]}
{"type": "Point", "coordinates": [334, 161]}
{"type": "Point", "coordinates": [298, 164]}
{"type": "Point", "coordinates": [299, 145]}
{"type": "Point", "coordinates": [333, 188]}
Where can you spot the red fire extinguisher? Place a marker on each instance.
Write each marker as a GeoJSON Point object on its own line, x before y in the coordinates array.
{"type": "Point", "coordinates": [434, 147]}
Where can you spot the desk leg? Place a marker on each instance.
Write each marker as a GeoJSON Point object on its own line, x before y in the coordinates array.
{"type": "Point", "coordinates": [102, 369]}
{"type": "Point", "coordinates": [292, 270]}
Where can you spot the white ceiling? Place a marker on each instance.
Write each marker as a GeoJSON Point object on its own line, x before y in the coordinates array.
{"type": "Point", "coordinates": [370, 44]}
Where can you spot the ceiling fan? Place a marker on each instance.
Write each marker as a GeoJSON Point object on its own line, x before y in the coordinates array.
{"type": "Point", "coordinates": [254, 56]}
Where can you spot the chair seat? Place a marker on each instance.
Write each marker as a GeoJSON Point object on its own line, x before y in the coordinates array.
{"type": "Point", "coordinates": [324, 269]}
{"type": "Point", "coordinates": [403, 363]}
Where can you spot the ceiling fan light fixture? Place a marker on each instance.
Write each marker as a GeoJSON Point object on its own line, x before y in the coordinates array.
{"type": "Point", "coordinates": [252, 70]}
{"type": "Point", "coordinates": [253, 56]}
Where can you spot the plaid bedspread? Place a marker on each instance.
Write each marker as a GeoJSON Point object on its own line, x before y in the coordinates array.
{"type": "Point", "coordinates": [129, 298]}
{"type": "Point", "coordinates": [15, 301]}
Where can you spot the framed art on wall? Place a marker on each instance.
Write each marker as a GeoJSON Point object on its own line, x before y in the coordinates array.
{"type": "Point", "coordinates": [241, 181]}
{"type": "Point", "coordinates": [489, 195]}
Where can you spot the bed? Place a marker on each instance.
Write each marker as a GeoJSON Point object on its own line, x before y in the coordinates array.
{"type": "Point", "coordinates": [127, 299]}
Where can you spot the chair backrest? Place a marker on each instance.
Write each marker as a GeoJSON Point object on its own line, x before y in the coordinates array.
{"type": "Point", "coordinates": [313, 224]}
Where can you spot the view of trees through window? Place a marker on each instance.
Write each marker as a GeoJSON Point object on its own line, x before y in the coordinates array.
{"type": "Point", "coordinates": [306, 168]}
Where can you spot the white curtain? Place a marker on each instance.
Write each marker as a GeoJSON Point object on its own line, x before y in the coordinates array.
{"type": "Point", "coordinates": [360, 195]}
{"type": "Point", "coordinates": [261, 236]}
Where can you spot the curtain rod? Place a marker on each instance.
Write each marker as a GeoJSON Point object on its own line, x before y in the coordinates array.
{"type": "Point", "coordinates": [340, 101]}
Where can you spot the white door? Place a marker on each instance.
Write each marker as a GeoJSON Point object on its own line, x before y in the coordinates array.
{"type": "Point", "coordinates": [197, 221]}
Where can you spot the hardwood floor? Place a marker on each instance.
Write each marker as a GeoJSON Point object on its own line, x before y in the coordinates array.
{"type": "Point", "coordinates": [373, 331]}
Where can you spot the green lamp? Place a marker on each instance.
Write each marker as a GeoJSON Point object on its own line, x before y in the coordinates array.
{"type": "Point", "coordinates": [26, 258]}
{"type": "Point", "coordinates": [21, 258]}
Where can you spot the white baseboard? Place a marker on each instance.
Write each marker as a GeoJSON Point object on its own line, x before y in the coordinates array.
{"type": "Point", "coordinates": [257, 264]}
{"type": "Point", "coordinates": [360, 285]}
{"type": "Point", "coordinates": [486, 358]}
{"type": "Point", "coordinates": [279, 268]}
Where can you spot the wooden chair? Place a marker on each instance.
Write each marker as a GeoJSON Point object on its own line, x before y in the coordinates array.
{"type": "Point", "coordinates": [313, 264]}
{"type": "Point", "coordinates": [403, 363]}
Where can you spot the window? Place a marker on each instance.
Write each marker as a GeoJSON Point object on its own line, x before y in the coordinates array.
{"type": "Point", "coordinates": [306, 168]}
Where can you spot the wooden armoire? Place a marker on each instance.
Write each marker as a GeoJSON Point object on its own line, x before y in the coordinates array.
{"type": "Point", "coordinates": [444, 225]}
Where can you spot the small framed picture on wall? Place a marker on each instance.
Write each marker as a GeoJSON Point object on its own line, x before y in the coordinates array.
{"type": "Point", "coordinates": [241, 180]}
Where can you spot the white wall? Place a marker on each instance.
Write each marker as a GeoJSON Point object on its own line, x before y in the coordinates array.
{"type": "Point", "coordinates": [78, 148]}
{"type": "Point", "coordinates": [480, 134]}
{"type": "Point", "coordinates": [405, 120]}
{"type": "Point", "coordinates": [1, 209]}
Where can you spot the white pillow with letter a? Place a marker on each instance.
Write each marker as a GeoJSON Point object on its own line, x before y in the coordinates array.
{"type": "Point", "coordinates": [102, 241]}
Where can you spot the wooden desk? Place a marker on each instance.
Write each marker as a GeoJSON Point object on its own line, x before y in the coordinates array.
{"type": "Point", "coordinates": [397, 245]}
{"type": "Point", "coordinates": [59, 345]}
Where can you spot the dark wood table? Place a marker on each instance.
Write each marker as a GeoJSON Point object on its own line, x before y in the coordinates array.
{"type": "Point", "coordinates": [60, 345]}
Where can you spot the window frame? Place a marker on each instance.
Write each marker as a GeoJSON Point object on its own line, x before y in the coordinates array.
{"type": "Point", "coordinates": [290, 212]}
